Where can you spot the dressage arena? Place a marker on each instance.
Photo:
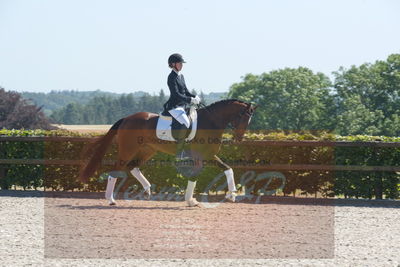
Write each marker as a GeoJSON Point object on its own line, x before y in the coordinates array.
{"type": "Point", "coordinates": [78, 229]}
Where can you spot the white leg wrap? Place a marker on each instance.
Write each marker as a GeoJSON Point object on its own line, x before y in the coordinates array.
{"type": "Point", "coordinates": [189, 190]}
{"type": "Point", "coordinates": [140, 177]}
{"type": "Point", "coordinates": [230, 180]}
{"type": "Point", "coordinates": [110, 188]}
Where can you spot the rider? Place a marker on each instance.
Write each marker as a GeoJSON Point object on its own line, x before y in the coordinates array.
{"type": "Point", "coordinates": [179, 98]}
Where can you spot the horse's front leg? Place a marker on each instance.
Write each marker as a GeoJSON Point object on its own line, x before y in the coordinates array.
{"type": "Point", "coordinates": [231, 195]}
{"type": "Point", "coordinates": [190, 200]}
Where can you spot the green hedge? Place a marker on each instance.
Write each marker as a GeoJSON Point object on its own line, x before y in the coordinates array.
{"type": "Point", "coordinates": [165, 178]}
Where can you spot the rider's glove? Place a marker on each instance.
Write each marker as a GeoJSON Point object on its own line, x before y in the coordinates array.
{"type": "Point", "coordinates": [196, 100]}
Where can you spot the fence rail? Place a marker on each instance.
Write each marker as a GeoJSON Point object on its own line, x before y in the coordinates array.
{"type": "Point", "coordinates": [246, 142]}
{"type": "Point", "coordinates": [278, 167]}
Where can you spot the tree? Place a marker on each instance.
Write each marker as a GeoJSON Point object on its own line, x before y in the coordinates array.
{"type": "Point", "coordinates": [162, 98]}
{"type": "Point", "coordinates": [72, 114]}
{"type": "Point", "coordinates": [368, 98]}
{"type": "Point", "coordinates": [203, 98]}
{"type": "Point", "coordinates": [288, 99]}
{"type": "Point", "coordinates": [17, 113]}
{"type": "Point", "coordinates": [356, 118]}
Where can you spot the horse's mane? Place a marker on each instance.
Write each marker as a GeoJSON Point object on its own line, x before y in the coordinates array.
{"type": "Point", "coordinates": [224, 101]}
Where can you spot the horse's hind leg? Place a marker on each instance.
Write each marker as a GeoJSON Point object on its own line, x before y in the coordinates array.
{"type": "Point", "coordinates": [119, 172]}
{"type": "Point", "coordinates": [144, 155]}
{"type": "Point", "coordinates": [111, 181]}
{"type": "Point", "coordinates": [110, 189]}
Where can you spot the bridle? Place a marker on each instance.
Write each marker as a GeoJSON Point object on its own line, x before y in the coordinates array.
{"type": "Point", "coordinates": [248, 111]}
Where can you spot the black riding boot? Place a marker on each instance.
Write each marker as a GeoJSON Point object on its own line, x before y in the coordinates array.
{"type": "Point", "coordinates": [180, 150]}
{"type": "Point", "coordinates": [180, 135]}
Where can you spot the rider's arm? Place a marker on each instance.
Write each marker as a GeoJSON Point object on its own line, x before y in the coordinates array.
{"type": "Point", "coordinates": [173, 88]}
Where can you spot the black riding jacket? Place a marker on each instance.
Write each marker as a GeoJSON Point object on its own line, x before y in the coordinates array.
{"type": "Point", "coordinates": [179, 94]}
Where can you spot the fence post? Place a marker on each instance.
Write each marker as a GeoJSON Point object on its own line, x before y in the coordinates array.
{"type": "Point", "coordinates": [3, 171]}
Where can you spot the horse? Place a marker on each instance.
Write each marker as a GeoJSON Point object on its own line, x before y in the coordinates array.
{"type": "Point", "coordinates": [135, 137]}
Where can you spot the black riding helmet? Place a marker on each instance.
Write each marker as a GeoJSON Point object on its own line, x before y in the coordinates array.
{"type": "Point", "coordinates": [175, 58]}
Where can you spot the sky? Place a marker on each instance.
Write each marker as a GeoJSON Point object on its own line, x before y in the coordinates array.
{"type": "Point", "coordinates": [122, 46]}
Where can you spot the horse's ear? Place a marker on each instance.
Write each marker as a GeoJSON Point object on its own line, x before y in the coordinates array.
{"type": "Point", "coordinates": [255, 107]}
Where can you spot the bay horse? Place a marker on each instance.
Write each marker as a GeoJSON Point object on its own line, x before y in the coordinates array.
{"type": "Point", "coordinates": [136, 135]}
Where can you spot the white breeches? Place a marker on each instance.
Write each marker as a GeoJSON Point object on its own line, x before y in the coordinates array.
{"type": "Point", "coordinates": [180, 115]}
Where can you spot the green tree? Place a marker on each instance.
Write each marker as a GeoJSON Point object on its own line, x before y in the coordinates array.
{"type": "Point", "coordinates": [203, 98]}
{"type": "Point", "coordinates": [71, 114]}
{"type": "Point", "coordinates": [368, 98]}
{"type": "Point", "coordinates": [356, 118]}
{"type": "Point", "coordinates": [162, 97]}
{"type": "Point", "coordinates": [289, 99]}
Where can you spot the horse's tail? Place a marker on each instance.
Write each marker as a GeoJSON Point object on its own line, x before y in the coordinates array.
{"type": "Point", "coordinates": [96, 151]}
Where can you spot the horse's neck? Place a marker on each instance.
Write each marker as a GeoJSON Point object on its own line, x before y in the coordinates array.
{"type": "Point", "coordinates": [218, 117]}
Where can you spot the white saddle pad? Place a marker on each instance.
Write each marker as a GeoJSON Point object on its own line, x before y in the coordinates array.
{"type": "Point", "coordinates": [163, 130]}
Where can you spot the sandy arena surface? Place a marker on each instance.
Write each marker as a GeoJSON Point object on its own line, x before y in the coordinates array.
{"type": "Point", "coordinates": [80, 230]}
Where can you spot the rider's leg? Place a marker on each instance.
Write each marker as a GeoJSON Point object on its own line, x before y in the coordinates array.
{"type": "Point", "coordinates": [181, 134]}
{"type": "Point", "coordinates": [180, 115]}
{"type": "Point", "coordinates": [180, 139]}
{"type": "Point", "coordinates": [183, 119]}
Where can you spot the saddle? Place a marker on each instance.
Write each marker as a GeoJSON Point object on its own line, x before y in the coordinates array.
{"type": "Point", "coordinates": [167, 126]}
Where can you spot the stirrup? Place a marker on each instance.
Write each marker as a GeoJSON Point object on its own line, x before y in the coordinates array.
{"type": "Point", "coordinates": [183, 155]}
{"type": "Point", "coordinates": [231, 196]}
{"type": "Point", "coordinates": [193, 203]}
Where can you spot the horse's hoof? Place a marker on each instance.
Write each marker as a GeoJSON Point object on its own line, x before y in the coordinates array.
{"type": "Point", "coordinates": [231, 196]}
{"type": "Point", "coordinates": [193, 203]}
{"type": "Point", "coordinates": [147, 194]}
{"type": "Point", "coordinates": [112, 202]}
